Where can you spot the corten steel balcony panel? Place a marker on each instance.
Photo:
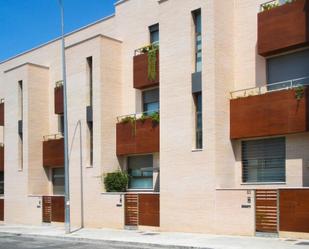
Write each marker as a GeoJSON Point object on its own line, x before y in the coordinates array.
{"type": "Point", "coordinates": [1, 157]}
{"type": "Point", "coordinates": [283, 28]}
{"type": "Point", "coordinates": [140, 71]}
{"type": "Point", "coordinates": [58, 102]}
{"type": "Point", "coordinates": [137, 138]}
{"type": "Point", "coordinates": [1, 113]}
{"type": "Point", "coordinates": [269, 114]}
{"type": "Point", "coordinates": [53, 152]}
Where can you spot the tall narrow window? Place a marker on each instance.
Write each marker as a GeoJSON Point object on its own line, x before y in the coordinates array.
{"type": "Point", "coordinates": [89, 108]}
{"type": "Point", "coordinates": [58, 181]}
{"type": "Point", "coordinates": [197, 18]}
{"type": "Point", "coordinates": [90, 143]}
{"type": "Point", "coordinates": [90, 79]}
{"type": "Point", "coordinates": [198, 120]}
{"type": "Point", "coordinates": [61, 124]}
{"type": "Point", "coordinates": [20, 124]}
{"type": "Point", "coordinates": [20, 99]}
{"type": "Point", "coordinates": [151, 102]}
{"type": "Point", "coordinates": [154, 33]}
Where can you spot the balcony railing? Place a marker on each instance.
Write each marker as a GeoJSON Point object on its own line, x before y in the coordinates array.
{"type": "Point", "coordinates": [252, 91]}
{"type": "Point", "coordinates": [272, 4]}
{"type": "Point", "coordinates": [53, 151]}
{"type": "Point", "coordinates": [138, 133]}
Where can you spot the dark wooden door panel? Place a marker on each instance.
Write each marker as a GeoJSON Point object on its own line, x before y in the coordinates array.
{"type": "Point", "coordinates": [58, 211]}
{"type": "Point", "coordinates": [149, 210]}
{"type": "Point", "coordinates": [294, 210]}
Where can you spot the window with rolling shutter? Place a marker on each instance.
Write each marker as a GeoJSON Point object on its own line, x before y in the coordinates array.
{"type": "Point", "coordinates": [263, 160]}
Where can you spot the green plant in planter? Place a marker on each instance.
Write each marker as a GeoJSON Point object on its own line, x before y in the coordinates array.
{"type": "Point", "coordinates": [270, 6]}
{"type": "Point", "coordinates": [143, 117]}
{"type": "Point", "coordinates": [299, 92]}
{"type": "Point", "coordinates": [152, 61]}
{"type": "Point", "coordinates": [155, 117]}
{"type": "Point", "coordinates": [128, 119]}
{"type": "Point", "coordinates": [132, 121]}
{"type": "Point", "coordinates": [116, 181]}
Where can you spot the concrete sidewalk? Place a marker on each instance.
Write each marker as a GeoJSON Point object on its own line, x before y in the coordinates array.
{"type": "Point", "coordinates": [159, 239]}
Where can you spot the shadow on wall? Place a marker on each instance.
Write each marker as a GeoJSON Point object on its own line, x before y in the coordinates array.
{"type": "Point", "coordinates": [260, 69]}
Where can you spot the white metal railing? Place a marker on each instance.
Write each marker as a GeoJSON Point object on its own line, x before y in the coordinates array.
{"type": "Point", "coordinates": [270, 87]}
{"type": "Point", "coordinates": [52, 137]}
{"type": "Point", "coordinates": [145, 49]}
{"type": "Point", "coordinates": [137, 116]}
{"type": "Point", "coordinates": [273, 4]}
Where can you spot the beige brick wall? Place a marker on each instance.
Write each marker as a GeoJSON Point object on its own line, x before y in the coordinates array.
{"type": "Point", "coordinates": [189, 179]}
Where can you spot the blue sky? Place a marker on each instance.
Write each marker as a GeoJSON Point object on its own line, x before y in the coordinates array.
{"type": "Point", "coordinates": [25, 24]}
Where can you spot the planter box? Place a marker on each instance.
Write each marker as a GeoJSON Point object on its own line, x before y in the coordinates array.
{"type": "Point", "coordinates": [1, 158]}
{"type": "Point", "coordinates": [140, 72]}
{"type": "Point", "coordinates": [141, 138]}
{"type": "Point", "coordinates": [1, 114]}
{"type": "Point", "coordinates": [58, 91]}
{"type": "Point", "coordinates": [283, 28]}
{"type": "Point", "coordinates": [270, 114]}
{"type": "Point", "coordinates": [53, 153]}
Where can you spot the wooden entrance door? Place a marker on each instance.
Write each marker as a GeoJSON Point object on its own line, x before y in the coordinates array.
{"type": "Point", "coordinates": [266, 211]}
{"type": "Point", "coordinates": [142, 209]}
{"type": "Point", "coordinates": [53, 209]}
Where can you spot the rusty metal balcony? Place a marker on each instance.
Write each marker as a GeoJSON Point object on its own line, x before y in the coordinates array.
{"type": "Point", "coordinates": [53, 151]}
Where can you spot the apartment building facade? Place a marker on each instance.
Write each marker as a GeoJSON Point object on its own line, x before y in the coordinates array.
{"type": "Point", "coordinates": [210, 121]}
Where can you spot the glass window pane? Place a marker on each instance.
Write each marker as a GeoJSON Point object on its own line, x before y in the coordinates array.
{"type": "Point", "coordinates": [140, 170]}
{"type": "Point", "coordinates": [58, 181]}
{"type": "Point", "coordinates": [264, 160]}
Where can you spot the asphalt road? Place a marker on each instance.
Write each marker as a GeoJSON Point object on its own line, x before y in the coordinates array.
{"type": "Point", "coordinates": [10, 241]}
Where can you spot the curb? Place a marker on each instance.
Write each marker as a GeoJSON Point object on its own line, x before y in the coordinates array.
{"type": "Point", "coordinates": [102, 241]}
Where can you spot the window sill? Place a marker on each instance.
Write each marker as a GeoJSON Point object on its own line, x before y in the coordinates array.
{"type": "Point", "coordinates": [263, 183]}
{"type": "Point", "coordinates": [131, 191]}
{"type": "Point", "coordinates": [197, 150]}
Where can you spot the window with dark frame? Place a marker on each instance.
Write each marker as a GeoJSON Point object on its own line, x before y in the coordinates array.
{"type": "Point", "coordinates": [197, 19]}
{"type": "Point", "coordinates": [263, 160]}
{"type": "Point", "coordinates": [89, 124]}
{"type": "Point", "coordinates": [140, 170]}
{"type": "Point", "coordinates": [20, 122]}
{"type": "Point", "coordinates": [58, 181]}
{"type": "Point", "coordinates": [90, 130]}
{"type": "Point", "coordinates": [90, 78]}
{"type": "Point", "coordinates": [198, 120]}
{"type": "Point", "coordinates": [151, 102]}
{"type": "Point", "coordinates": [154, 33]}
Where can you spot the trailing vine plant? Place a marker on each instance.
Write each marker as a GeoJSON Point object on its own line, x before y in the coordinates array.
{"type": "Point", "coordinates": [152, 61]}
{"type": "Point", "coordinates": [299, 92]}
